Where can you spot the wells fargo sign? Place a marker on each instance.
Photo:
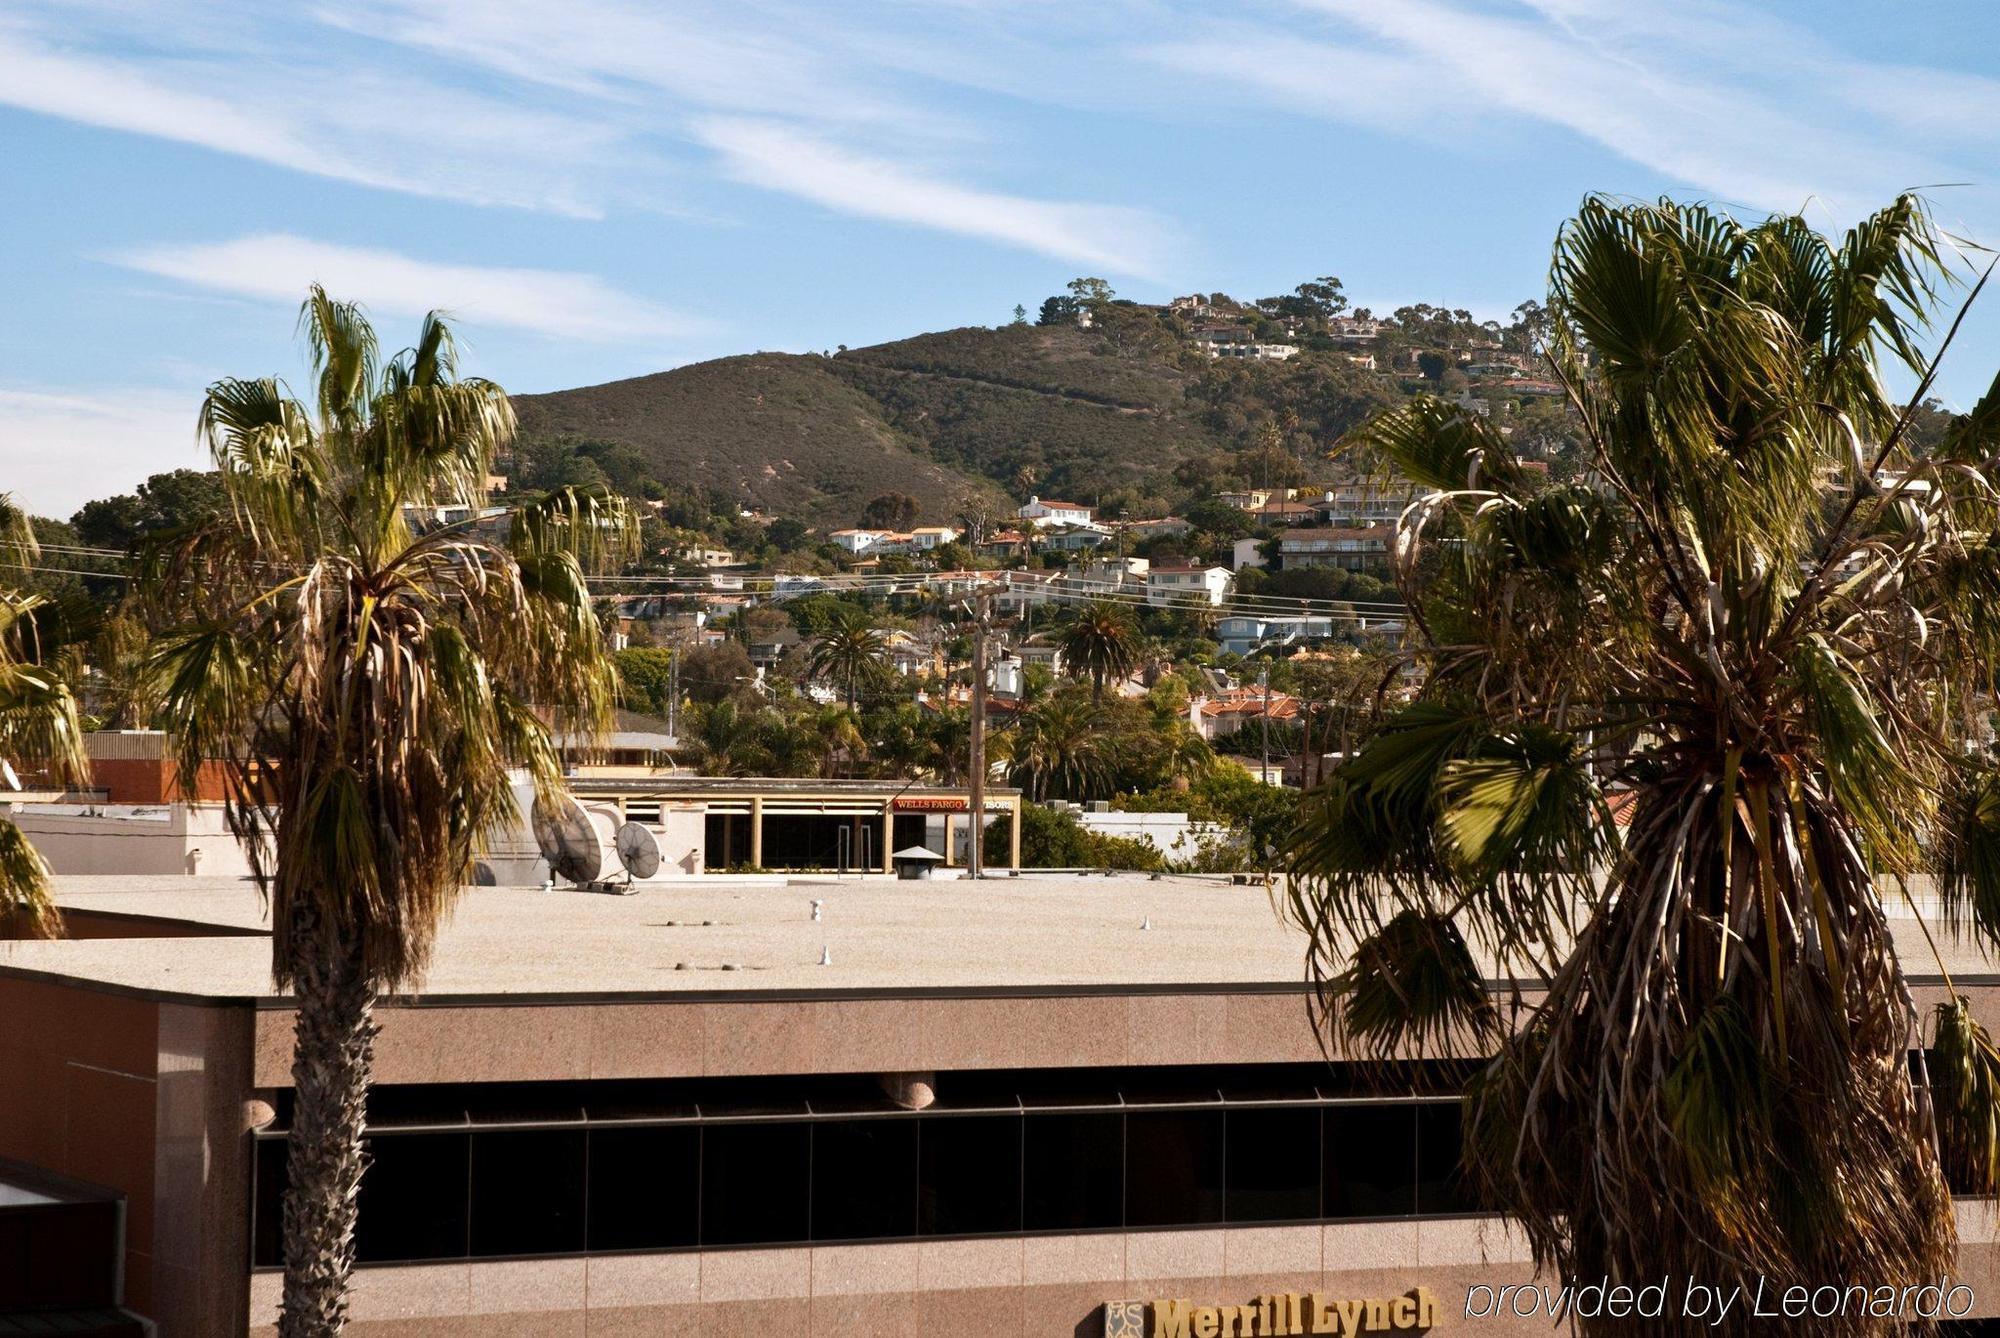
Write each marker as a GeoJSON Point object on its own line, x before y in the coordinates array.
{"type": "Point", "coordinates": [943, 804]}
{"type": "Point", "coordinates": [1288, 1313]}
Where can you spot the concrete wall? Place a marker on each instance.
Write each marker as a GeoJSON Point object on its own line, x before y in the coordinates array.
{"type": "Point", "coordinates": [126, 839]}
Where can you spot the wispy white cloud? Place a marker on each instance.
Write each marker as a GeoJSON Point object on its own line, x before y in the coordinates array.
{"type": "Point", "coordinates": [777, 157]}
{"type": "Point", "coordinates": [346, 122]}
{"type": "Point", "coordinates": [1711, 94]}
{"type": "Point", "coordinates": [278, 267]}
{"type": "Point", "coordinates": [64, 448]}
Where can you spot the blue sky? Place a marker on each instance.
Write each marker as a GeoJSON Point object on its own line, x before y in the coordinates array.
{"type": "Point", "coordinates": [600, 189]}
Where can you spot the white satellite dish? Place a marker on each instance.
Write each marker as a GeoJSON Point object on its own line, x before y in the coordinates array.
{"type": "Point", "coordinates": [638, 851]}
{"type": "Point", "coordinates": [570, 841]}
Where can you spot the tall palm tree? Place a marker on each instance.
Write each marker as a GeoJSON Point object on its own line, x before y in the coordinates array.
{"type": "Point", "coordinates": [849, 653]}
{"type": "Point", "coordinates": [368, 689]}
{"type": "Point", "coordinates": [1057, 749]}
{"type": "Point", "coordinates": [40, 732]}
{"type": "Point", "coordinates": [1774, 628]}
{"type": "Point", "coordinates": [1101, 642]}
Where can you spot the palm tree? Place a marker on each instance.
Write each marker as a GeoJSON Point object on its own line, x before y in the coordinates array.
{"type": "Point", "coordinates": [1773, 628]}
{"type": "Point", "coordinates": [726, 741]}
{"type": "Point", "coordinates": [1102, 643]}
{"type": "Point", "coordinates": [369, 690]}
{"type": "Point", "coordinates": [40, 731]}
{"type": "Point", "coordinates": [1057, 748]}
{"type": "Point", "coordinates": [850, 653]}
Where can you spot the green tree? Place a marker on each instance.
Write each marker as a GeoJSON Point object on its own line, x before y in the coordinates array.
{"type": "Point", "coordinates": [1775, 664]}
{"type": "Point", "coordinates": [889, 511]}
{"type": "Point", "coordinates": [711, 673]}
{"type": "Point", "coordinates": [1090, 294]}
{"type": "Point", "coordinates": [1020, 315]}
{"type": "Point", "coordinates": [850, 653]}
{"type": "Point", "coordinates": [1057, 311]}
{"type": "Point", "coordinates": [163, 502]}
{"type": "Point", "coordinates": [1101, 642]}
{"type": "Point", "coordinates": [1057, 748]}
{"type": "Point", "coordinates": [368, 692]}
{"type": "Point", "coordinates": [647, 675]}
{"type": "Point", "coordinates": [40, 733]}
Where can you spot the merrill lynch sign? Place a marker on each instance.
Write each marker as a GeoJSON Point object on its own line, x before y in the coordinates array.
{"type": "Point", "coordinates": [1273, 1316]}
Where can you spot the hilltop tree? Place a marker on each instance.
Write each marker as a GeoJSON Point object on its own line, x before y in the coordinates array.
{"type": "Point", "coordinates": [1058, 311]}
{"type": "Point", "coordinates": [1090, 294]}
{"type": "Point", "coordinates": [1781, 663]}
{"type": "Point", "coordinates": [369, 694]}
{"type": "Point", "coordinates": [1020, 315]}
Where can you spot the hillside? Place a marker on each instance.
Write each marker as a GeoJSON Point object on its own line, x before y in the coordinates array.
{"type": "Point", "coordinates": [1015, 409]}
{"type": "Point", "coordinates": [777, 430]}
{"type": "Point", "coordinates": [1129, 413]}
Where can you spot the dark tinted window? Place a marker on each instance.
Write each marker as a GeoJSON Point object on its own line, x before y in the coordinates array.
{"type": "Point", "coordinates": [754, 1183]}
{"type": "Point", "coordinates": [413, 1199]}
{"type": "Point", "coordinates": [1371, 1161]}
{"type": "Point", "coordinates": [645, 1187]}
{"type": "Point", "coordinates": [969, 1180]}
{"type": "Point", "coordinates": [267, 1248]}
{"type": "Point", "coordinates": [1441, 1184]}
{"type": "Point", "coordinates": [1173, 1167]}
{"type": "Point", "coordinates": [527, 1192]}
{"type": "Point", "coordinates": [1273, 1164]}
{"type": "Point", "coordinates": [1073, 1171]}
{"type": "Point", "coordinates": [864, 1175]}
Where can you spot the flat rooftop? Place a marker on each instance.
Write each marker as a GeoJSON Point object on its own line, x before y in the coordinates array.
{"type": "Point", "coordinates": [715, 935]}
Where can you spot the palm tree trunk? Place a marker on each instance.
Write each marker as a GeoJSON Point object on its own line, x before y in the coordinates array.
{"type": "Point", "coordinates": [333, 1053]}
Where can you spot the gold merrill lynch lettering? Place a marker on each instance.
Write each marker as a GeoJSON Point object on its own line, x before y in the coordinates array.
{"type": "Point", "coordinates": [1278, 1316]}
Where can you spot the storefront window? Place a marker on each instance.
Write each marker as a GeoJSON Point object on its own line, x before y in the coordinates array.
{"type": "Point", "coordinates": [600, 1181]}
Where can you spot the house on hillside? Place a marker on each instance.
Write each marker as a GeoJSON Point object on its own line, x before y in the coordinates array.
{"type": "Point", "coordinates": [1003, 544]}
{"type": "Point", "coordinates": [1108, 574]}
{"type": "Point", "coordinates": [1073, 538]}
{"type": "Point", "coordinates": [1224, 714]}
{"type": "Point", "coordinates": [1287, 513]}
{"type": "Point", "coordinates": [926, 537]}
{"type": "Point", "coordinates": [1372, 501]}
{"type": "Point", "coordinates": [1247, 500]}
{"type": "Point", "coordinates": [856, 541]}
{"type": "Point", "coordinates": [1240, 634]}
{"type": "Point", "coordinates": [1163, 527]}
{"type": "Point", "coordinates": [1043, 514]}
{"type": "Point", "coordinates": [1183, 583]}
{"type": "Point", "coordinates": [1350, 547]}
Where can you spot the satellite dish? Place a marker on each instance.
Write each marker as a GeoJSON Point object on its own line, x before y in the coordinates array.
{"type": "Point", "coordinates": [569, 840]}
{"type": "Point", "coordinates": [638, 851]}
{"type": "Point", "coordinates": [7, 774]}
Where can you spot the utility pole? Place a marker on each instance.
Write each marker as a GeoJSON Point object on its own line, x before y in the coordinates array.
{"type": "Point", "coordinates": [975, 854]}
{"type": "Point", "coordinates": [1264, 683]}
{"type": "Point", "coordinates": [674, 695]}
